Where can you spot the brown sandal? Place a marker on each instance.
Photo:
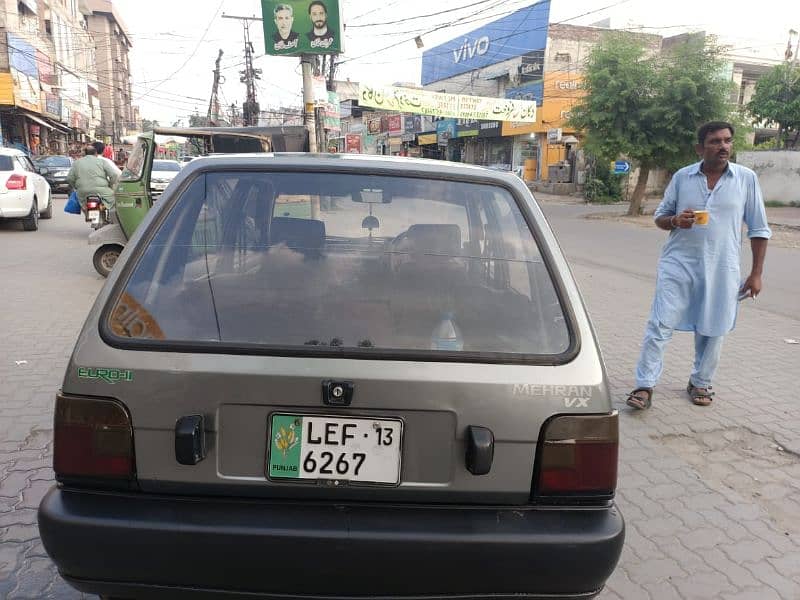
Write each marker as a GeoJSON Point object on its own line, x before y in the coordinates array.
{"type": "Point", "coordinates": [700, 396]}
{"type": "Point", "coordinates": [638, 402]}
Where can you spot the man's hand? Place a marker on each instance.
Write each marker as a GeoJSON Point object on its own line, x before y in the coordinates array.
{"type": "Point", "coordinates": [751, 287]}
{"type": "Point", "coordinates": [684, 220]}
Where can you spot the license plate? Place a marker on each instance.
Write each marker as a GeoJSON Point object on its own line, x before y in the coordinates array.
{"type": "Point", "coordinates": [344, 449]}
{"type": "Point", "coordinates": [93, 216]}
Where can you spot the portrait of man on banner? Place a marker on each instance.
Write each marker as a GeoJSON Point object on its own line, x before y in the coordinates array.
{"type": "Point", "coordinates": [320, 35]}
{"type": "Point", "coordinates": [284, 38]}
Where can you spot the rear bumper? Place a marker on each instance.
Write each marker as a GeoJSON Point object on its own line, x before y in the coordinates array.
{"type": "Point", "coordinates": [15, 205]}
{"type": "Point", "coordinates": [118, 544]}
{"type": "Point", "coordinates": [58, 183]}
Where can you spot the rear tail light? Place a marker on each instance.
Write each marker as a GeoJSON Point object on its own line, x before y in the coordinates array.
{"type": "Point", "coordinates": [577, 457]}
{"type": "Point", "coordinates": [92, 204]}
{"type": "Point", "coordinates": [17, 182]}
{"type": "Point", "coordinates": [93, 439]}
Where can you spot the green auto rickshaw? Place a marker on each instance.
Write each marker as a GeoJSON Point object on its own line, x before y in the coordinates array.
{"type": "Point", "coordinates": [134, 195]}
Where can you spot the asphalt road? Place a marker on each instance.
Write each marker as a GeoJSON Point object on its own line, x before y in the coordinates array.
{"type": "Point", "coordinates": [634, 251]}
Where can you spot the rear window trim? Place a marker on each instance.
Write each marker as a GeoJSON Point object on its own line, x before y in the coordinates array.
{"type": "Point", "coordinates": [168, 204]}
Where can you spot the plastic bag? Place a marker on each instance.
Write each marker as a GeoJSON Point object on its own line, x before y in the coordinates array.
{"type": "Point", "coordinates": [72, 206]}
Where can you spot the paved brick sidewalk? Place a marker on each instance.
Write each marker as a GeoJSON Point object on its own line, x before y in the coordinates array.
{"type": "Point", "coordinates": [711, 496]}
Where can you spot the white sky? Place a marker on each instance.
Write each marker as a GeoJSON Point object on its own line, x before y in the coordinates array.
{"type": "Point", "coordinates": [175, 42]}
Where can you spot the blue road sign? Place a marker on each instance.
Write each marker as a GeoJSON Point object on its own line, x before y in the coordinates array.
{"type": "Point", "coordinates": [621, 167]}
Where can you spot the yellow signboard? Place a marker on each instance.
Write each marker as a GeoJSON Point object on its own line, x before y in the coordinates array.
{"type": "Point", "coordinates": [459, 106]}
{"type": "Point", "coordinates": [6, 89]}
{"type": "Point", "coordinates": [562, 91]}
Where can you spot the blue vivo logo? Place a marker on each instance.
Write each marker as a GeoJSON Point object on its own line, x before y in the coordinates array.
{"type": "Point", "coordinates": [520, 33]}
{"type": "Point", "coordinates": [469, 50]}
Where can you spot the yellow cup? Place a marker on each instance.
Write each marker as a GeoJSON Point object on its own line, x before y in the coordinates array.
{"type": "Point", "coordinates": [701, 217]}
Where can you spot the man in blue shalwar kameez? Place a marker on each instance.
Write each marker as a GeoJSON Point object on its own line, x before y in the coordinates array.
{"type": "Point", "coordinates": [698, 284]}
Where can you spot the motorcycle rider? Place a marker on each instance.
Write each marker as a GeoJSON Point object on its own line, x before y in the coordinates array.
{"type": "Point", "coordinates": [93, 175]}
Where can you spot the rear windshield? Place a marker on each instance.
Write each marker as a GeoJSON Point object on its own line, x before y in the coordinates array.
{"type": "Point", "coordinates": [6, 163]}
{"type": "Point", "coordinates": [165, 165]}
{"type": "Point", "coordinates": [322, 260]}
{"type": "Point", "coordinates": [54, 161]}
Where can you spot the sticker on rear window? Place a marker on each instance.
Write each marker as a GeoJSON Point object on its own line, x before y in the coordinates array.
{"type": "Point", "coordinates": [107, 375]}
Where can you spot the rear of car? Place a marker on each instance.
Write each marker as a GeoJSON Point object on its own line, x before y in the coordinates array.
{"type": "Point", "coordinates": [337, 377]}
{"type": "Point", "coordinates": [162, 173]}
{"type": "Point", "coordinates": [23, 192]}
{"type": "Point", "coordinates": [55, 170]}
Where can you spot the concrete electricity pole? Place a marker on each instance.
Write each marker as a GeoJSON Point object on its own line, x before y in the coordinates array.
{"type": "Point", "coordinates": [309, 118]}
{"type": "Point", "coordinates": [213, 105]}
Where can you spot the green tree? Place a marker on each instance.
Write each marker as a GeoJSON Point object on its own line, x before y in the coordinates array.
{"type": "Point", "coordinates": [197, 120]}
{"type": "Point", "coordinates": [647, 106]}
{"type": "Point", "coordinates": [148, 125]}
{"type": "Point", "coordinates": [777, 101]}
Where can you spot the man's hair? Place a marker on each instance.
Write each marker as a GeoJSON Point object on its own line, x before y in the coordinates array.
{"type": "Point", "coordinates": [318, 3]}
{"type": "Point", "coordinates": [712, 127]}
{"type": "Point", "coordinates": [90, 150]}
{"type": "Point", "coordinates": [99, 146]}
{"type": "Point", "coordinates": [281, 7]}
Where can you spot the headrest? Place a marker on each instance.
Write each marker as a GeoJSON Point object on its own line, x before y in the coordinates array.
{"type": "Point", "coordinates": [298, 234]}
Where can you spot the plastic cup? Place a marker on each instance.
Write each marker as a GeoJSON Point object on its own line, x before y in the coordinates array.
{"type": "Point", "coordinates": [701, 217]}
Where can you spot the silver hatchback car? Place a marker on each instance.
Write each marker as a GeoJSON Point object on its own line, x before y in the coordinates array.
{"type": "Point", "coordinates": [337, 377]}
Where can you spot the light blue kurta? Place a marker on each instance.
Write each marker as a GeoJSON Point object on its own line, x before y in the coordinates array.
{"type": "Point", "coordinates": [698, 277]}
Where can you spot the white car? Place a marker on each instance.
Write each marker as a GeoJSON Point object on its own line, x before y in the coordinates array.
{"type": "Point", "coordinates": [24, 194]}
{"type": "Point", "coordinates": [162, 173]}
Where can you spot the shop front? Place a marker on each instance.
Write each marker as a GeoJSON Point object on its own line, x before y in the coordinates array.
{"type": "Point", "coordinates": [493, 150]}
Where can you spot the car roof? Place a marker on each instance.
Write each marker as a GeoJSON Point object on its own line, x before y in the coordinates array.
{"type": "Point", "coordinates": [366, 162]}
{"type": "Point", "coordinates": [11, 152]}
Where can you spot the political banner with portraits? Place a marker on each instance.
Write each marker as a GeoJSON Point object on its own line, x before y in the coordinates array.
{"type": "Point", "coordinates": [294, 27]}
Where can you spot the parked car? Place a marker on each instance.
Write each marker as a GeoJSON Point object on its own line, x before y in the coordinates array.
{"type": "Point", "coordinates": [54, 169]}
{"type": "Point", "coordinates": [336, 376]}
{"type": "Point", "coordinates": [162, 173]}
{"type": "Point", "coordinates": [24, 194]}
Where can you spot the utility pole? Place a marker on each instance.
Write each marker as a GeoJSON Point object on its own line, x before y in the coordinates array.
{"type": "Point", "coordinates": [250, 108]}
{"type": "Point", "coordinates": [309, 119]}
{"type": "Point", "coordinates": [233, 113]}
{"type": "Point", "coordinates": [213, 106]}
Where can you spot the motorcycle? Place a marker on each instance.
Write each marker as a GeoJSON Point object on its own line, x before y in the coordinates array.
{"type": "Point", "coordinates": [96, 212]}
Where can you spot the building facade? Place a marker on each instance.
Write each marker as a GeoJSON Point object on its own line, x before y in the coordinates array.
{"type": "Point", "coordinates": [46, 64]}
{"type": "Point", "coordinates": [112, 47]}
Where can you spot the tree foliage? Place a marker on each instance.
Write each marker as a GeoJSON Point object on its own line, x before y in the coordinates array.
{"type": "Point", "coordinates": [148, 125]}
{"type": "Point", "coordinates": [197, 120]}
{"type": "Point", "coordinates": [646, 105]}
{"type": "Point", "coordinates": [776, 101]}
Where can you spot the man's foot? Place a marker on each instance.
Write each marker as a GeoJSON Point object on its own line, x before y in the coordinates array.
{"type": "Point", "coordinates": [700, 396]}
{"type": "Point", "coordinates": [640, 398]}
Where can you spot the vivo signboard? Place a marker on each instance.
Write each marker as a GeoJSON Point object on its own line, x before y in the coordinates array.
{"type": "Point", "coordinates": [514, 35]}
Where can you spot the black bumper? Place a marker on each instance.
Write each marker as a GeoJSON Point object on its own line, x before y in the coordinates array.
{"type": "Point", "coordinates": [126, 544]}
{"type": "Point", "coordinates": [58, 184]}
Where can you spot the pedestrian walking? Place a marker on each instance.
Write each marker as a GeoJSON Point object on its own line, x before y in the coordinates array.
{"type": "Point", "coordinates": [698, 282]}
